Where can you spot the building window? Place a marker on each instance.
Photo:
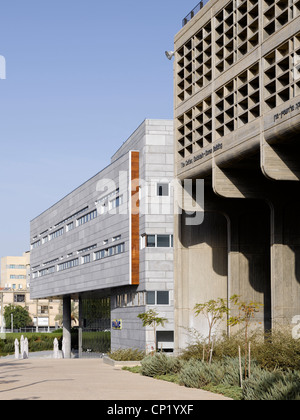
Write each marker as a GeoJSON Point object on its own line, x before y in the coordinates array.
{"type": "Point", "coordinates": [158, 298]}
{"type": "Point", "coordinates": [70, 226]}
{"type": "Point", "coordinates": [99, 255]}
{"type": "Point", "coordinates": [36, 244]}
{"type": "Point", "coordinates": [15, 267]}
{"type": "Point", "coordinates": [56, 234]}
{"type": "Point", "coordinates": [46, 271]}
{"type": "Point", "coordinates": [86, 259]}
{"type": "Point", "coordinates": [43, 310]}
{"type": "Point", "coordinates": [67, 265]}
{"type": "Point", "coordinates": [151, 298]}
{"type": "Point", "coordinates": [157, 241]}
{"type": "Point", "coordinates": [120, 249]}
{"type": "Point", "coordinates": [109, 252]}
{"type": "Point", "coordinates": [89, 248]}
{"type": "Point", "coordinates": [19, 298]}
{"type": "Point", "coordinates": [151, 241]}
{"type": "Point", "coordinates": [48, 262]}
{"type": "Point", "coordinates": [163, 241]}
{"type": "Point", "coordinates": [129, 300]}
{"type": "Point", "coordinates": [163, 190]}
{"type": "Point", "coordinates": [162, 298]}
{"type": "Point", "coordinates": [115, 203]}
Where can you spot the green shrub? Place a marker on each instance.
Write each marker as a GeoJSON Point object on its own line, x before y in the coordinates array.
{"type": "Point", "coordinates": [272, 386]}
{"type": "Point", "coordinates": [36, 342]}
{"type": "Point", "coordinates": [275, 350]}
{"type": "Point", "coordinates": [194, 375]}
{"type": "Point", "coordinates": [232, 372]}
{"type": "Point", "coordinates": [197, 374]}
{"type": "Point", "coordinates": [127, 355]}
{"type": "Point", "coordinates": [160, 364]}
{"type": "Point", "coordinates": [278, 351]}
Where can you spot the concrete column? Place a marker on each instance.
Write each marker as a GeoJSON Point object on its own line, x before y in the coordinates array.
{"type": "Point", "coordinates": [249, 256]}
{"type": "Point", "coordinates": [200, 273]}
{"type": "Point", "coordinates": [80, 327]}
{"type": "Point", "coordinates": [67, 325]}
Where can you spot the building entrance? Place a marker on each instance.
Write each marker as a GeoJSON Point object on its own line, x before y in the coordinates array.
{"type": "Point", "coordinates": [94, 333]}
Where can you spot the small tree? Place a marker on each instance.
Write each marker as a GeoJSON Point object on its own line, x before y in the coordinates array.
{"type": "Point", "coordinates": [74, 313]}
{"type": "Point", "coordinates": [151, 319]}
{"type": "Point", "coordinates": [21, 317]}
{"type": "Point", "coordinates": [247, 312]}
{"type": "Point", "coordinates": [214, 311]}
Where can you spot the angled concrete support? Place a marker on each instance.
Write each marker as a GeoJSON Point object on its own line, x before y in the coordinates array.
{"type": "Point", "coordinates": [229, 183]}
{"type": "Point", "coordinates": [280, 162]}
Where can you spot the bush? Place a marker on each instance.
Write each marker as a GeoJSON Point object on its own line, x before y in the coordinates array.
{"type": "Point", "coordinates": [36, 342]}
{"type": "Point", "coordinates": [272, 386]}
{"type": "Point", "coordinates": [275, 350]}
{"type": "Point", "coordinates": [194, 375]}
{"type": "Point", "coordinates": [197, 374]}
{"type": "Point", "coordinates": [278, 351]}
{"type": "Point", "coordinates": [160, 364]}
{"type": "Point", "coordinates": [127, 355]}
{"type": "Point", "coordinates": [232, 372]}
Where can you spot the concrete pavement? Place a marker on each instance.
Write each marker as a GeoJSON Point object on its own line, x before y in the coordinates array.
{"type": "Point", "coordinates": [85, 379]}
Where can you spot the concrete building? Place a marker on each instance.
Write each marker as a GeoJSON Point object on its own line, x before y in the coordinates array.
{"type": "Point", "coordinates": [237, 125]}
{"type": "Point", "coordinates": [15, 290]}
{"type": "Point", "coordinates": [112, 239]}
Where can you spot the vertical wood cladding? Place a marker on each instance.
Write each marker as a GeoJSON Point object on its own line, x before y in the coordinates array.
{"type": "Point", "coordinates": [135, 219]}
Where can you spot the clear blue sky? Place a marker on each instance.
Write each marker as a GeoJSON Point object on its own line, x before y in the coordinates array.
{"type": "Point", "coordinates": [81, 76]}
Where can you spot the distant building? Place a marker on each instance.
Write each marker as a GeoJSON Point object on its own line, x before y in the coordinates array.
{"type": "Point", "coordinates": [15, 290]}
{"type": "Point", "coordinates": [111, 240]}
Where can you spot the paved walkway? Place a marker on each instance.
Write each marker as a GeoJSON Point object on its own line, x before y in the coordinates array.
{"type": "Point", "coordinates": [85, 379]}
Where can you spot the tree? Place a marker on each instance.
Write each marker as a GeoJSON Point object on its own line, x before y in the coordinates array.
{"type": "Point", "coordinates": [247, 312]}
{"type": "Point", "coordinates": [214, 311]}
{"type": "Point", "coordinates": [21, 317]}
{"type": "Point", "coordinates": [74, 313]}
{"type": "Point", "coordinates": [151, 319]}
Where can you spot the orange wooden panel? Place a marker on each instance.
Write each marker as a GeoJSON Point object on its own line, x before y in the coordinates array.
{"type": "Point", "coordinates": [135, 219]}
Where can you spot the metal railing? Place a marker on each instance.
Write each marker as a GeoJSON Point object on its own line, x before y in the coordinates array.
{"type": "Point", "coordinates": [194, 12]}
{"type": "Point", "coordinates": [43, 330]}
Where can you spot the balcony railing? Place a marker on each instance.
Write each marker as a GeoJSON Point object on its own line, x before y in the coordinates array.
{"type": "Point", "coordinates": [194, 12]}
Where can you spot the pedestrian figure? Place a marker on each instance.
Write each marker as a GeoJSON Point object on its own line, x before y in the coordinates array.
{"type": "Point", "coordinates": [22, 346]}
{"type": "Point", "coordinates": [55, 349]}
{"type": "Point", "coordinates": [26, 349]}
{"type": "Point", "coordinates": [63, 347]}
{"type": "Point", "coordinates": [17, 349]}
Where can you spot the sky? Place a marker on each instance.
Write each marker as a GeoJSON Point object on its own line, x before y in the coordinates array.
{"type": "Point", "coordinates": [81, 76]}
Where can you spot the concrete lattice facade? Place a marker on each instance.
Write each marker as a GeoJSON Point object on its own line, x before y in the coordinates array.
{"type": "Point", "coordinates": [237, 125]}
